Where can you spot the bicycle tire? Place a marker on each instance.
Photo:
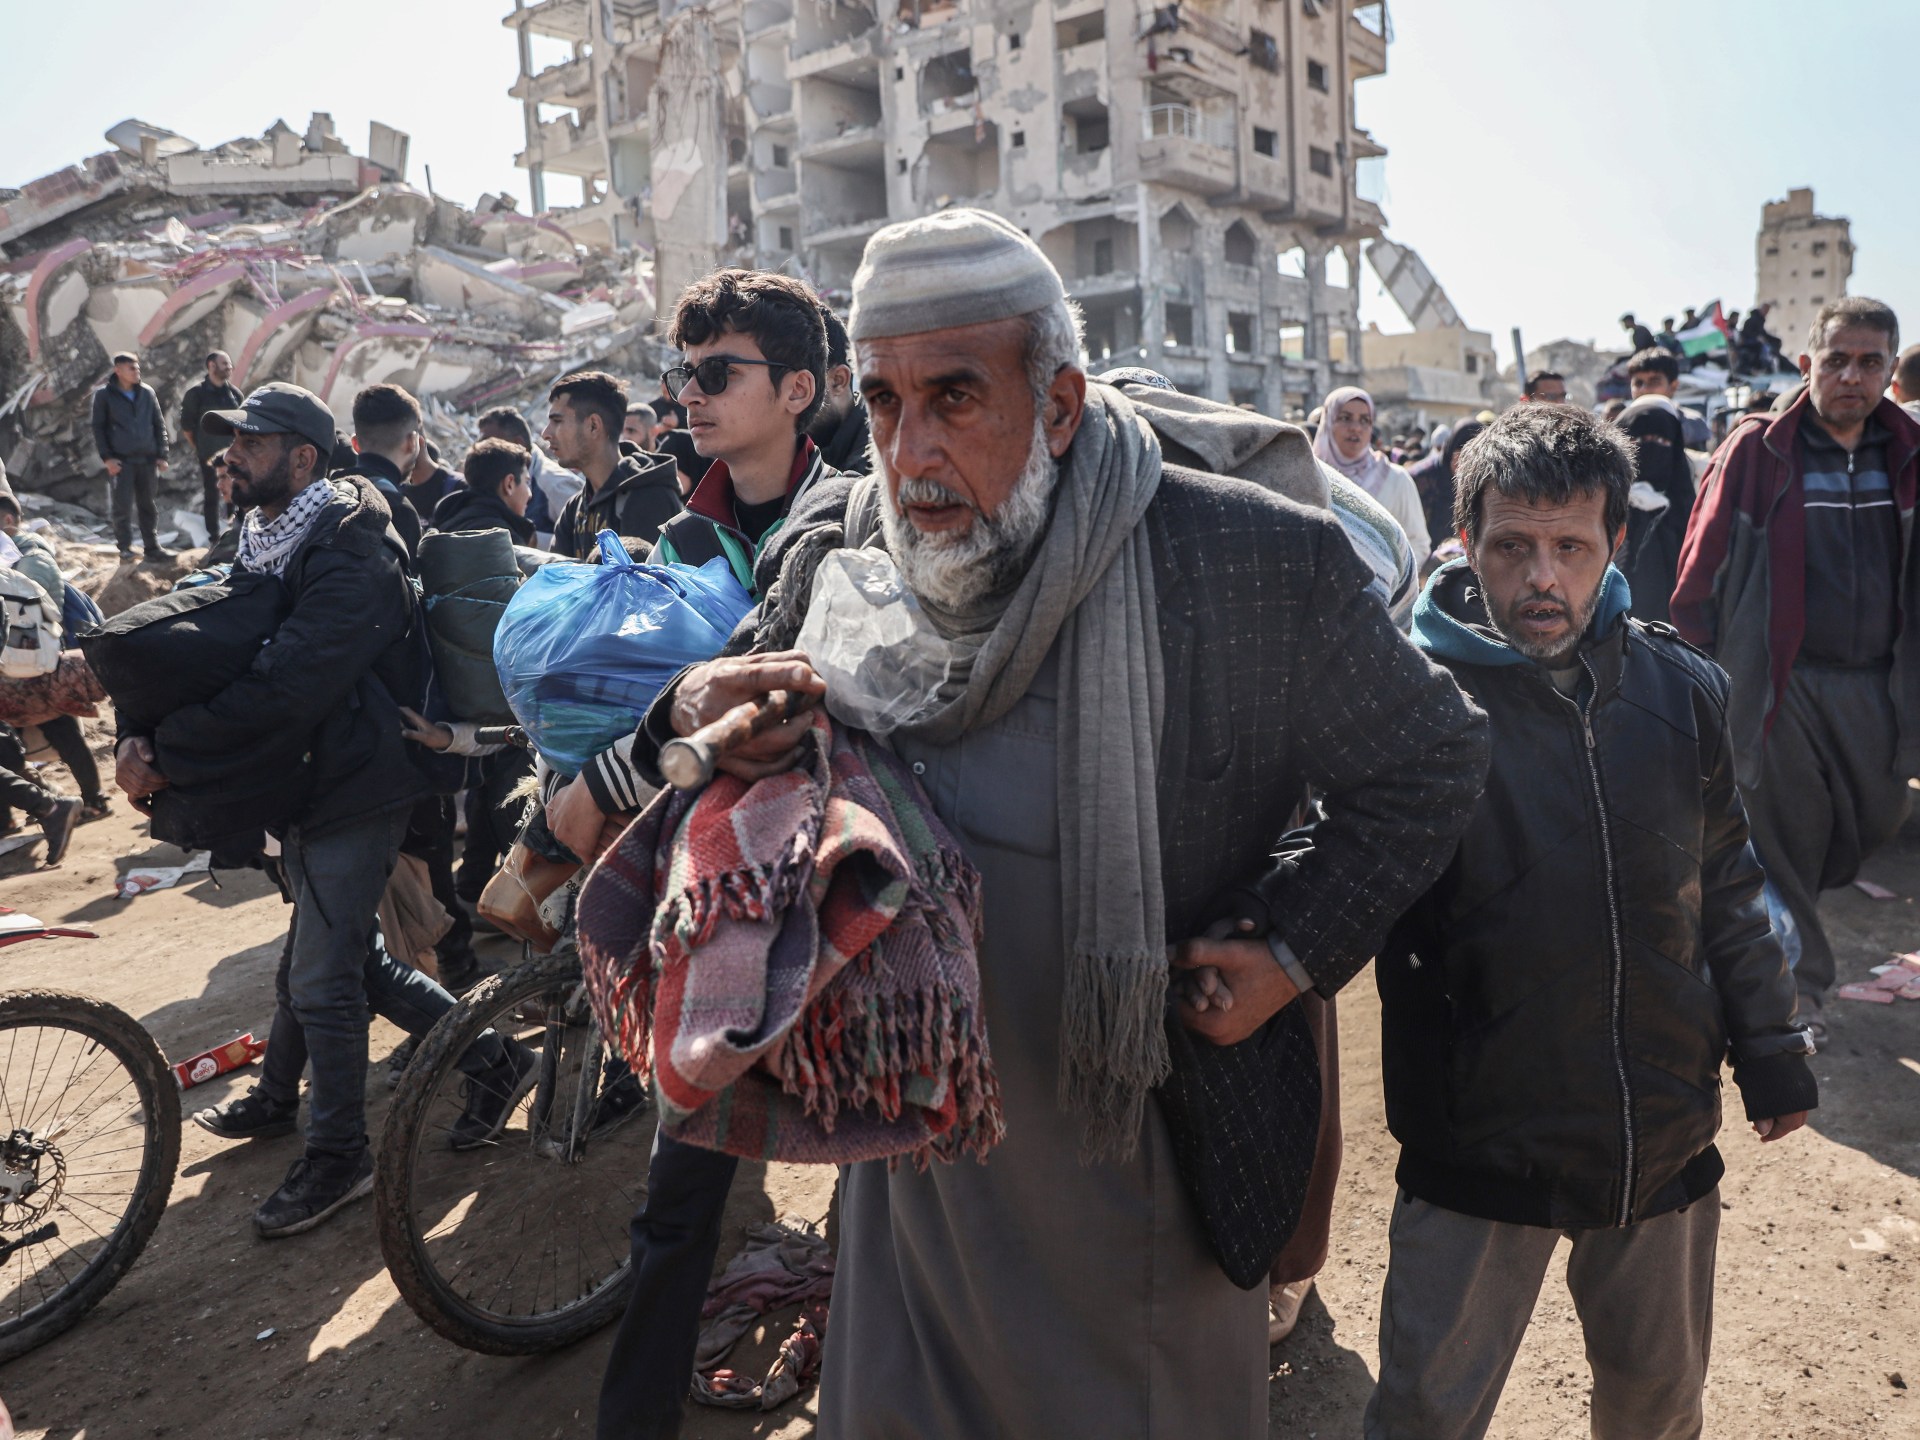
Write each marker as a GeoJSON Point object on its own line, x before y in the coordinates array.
{"type": "Point", "coordinates": [121, 1036]}
{"type": "Point", "coordinates": [408, 1129]}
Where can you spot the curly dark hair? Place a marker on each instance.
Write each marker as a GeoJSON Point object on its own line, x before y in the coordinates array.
{"type": "Point", "coordinates": [777, 312]}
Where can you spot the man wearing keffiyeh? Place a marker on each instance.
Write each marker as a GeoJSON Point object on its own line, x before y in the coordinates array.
{"type": "Point", "coordinates": [324, 689]}
{"type": "Point", "coordinates": [1151, 665]}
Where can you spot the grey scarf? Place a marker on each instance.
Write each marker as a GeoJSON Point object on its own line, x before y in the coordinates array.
{"type": "Point", "coordinates": [1090, 587]}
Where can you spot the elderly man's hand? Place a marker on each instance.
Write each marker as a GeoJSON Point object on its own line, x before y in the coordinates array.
{"type": "Point", "coordinates": [1232, 988]}
{"type": "Point", "coordinates": [135, 770]}
{"type": "Point", "coordinates": [1779, 1127]}
{"type": "Point", "coordinates": [711, 690]}
{"type": "Point", "coordinates": [576, 820]}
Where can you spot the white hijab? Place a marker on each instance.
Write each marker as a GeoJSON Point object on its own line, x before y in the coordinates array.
{"type": "Point", "coordinates": [1370, 471]}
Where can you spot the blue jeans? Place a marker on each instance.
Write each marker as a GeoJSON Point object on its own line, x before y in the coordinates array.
{"type": "Point", "coordinates": [676, 1237]}
{"type": "Point", "coordinates": [335, 971]}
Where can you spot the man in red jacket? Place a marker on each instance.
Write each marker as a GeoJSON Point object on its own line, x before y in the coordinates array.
{"type": "Point", "coordinates": [1798, 575]}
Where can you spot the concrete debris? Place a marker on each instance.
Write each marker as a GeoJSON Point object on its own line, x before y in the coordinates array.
{"type": "Point", "coordinates": [304, 262]}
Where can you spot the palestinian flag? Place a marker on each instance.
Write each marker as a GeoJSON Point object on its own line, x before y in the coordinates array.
{"type": "Point", "coordinates": [1711, 334]}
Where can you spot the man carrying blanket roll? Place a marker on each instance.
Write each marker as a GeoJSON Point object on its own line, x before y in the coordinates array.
{"type": "Point", "coordinates": [1147, 667]}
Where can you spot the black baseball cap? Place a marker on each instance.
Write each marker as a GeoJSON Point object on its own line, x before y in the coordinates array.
{"type": "Point", "coordinates": [277, 408]}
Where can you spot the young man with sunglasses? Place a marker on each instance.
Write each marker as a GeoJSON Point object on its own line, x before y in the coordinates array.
{"type": "Point", "coordinates": [754, 376]}
{"type": "Point", "coordinates": [629, 492]}
{"type": "Point", "coordinates": [753, 379]}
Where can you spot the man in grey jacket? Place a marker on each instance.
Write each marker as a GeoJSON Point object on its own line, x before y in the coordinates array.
{"type": "Point", "coordinates": [131, 436]}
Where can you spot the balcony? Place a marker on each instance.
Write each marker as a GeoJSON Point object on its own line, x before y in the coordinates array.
{"type": "Point", "coordinates": [567, 146]}
{"type": "Point", "coordinates": [1368, 32]}
{"type": "Point", "coordinates": [569, 83]}
{"type": "Point", "coordinates": [1182, 145]}
{"type": "Point", "coordinates": [759, 17]}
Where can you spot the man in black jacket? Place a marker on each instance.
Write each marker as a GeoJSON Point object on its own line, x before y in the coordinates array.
{"type": "Point", "coordinates": [331, 674]}
{"type": "Point", "coordinates": [1557, 1007]}
{"type": "Point", "coordinates": [494, 495]}
{"type": "Point", "coordinates": [840, 429]}
{"type": "Point", "coordinates": [628, 491]}
{"type": "Point", "coordinates": [131, 438]}
{"type": "Point", "coordinates": [216, 392]}
{"type": "Point", "coordinates": [386, 444]}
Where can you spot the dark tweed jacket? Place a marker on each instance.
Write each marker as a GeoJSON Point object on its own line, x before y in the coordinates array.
{"type": "Point", "coordinates": [1283, 675]}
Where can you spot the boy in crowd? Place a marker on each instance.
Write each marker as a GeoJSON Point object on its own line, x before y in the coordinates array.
{"type": "Point", "coordinates": [753, 377]}
{"type": "Point", "coordinates": [628, 491]}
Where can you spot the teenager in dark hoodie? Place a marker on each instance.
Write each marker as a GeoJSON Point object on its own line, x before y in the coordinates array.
{"type": "Point", "coordinates": [495, 495]}
{"type": "Point", "coordinates": [386, 444]}
{"type": "Point", "coordinates": [841, 429]}
{"type": "Point", "coordinates": [628, 491]}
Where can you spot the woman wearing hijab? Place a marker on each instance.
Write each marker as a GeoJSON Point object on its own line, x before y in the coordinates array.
{"type": "Point", "coordinates": [1659, 504]}
{"type": "Point", "coordinates": [1345, 441]}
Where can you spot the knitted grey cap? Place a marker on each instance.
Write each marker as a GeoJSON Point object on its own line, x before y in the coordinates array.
{"type": "Point", "coordinates": [957, 267]}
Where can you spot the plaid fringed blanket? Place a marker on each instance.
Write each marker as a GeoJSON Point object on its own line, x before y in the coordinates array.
{"type": "Point", "coordinates": [794, 964]}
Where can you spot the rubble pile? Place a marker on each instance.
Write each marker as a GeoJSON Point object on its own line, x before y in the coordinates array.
{"type": "Point", "coordinates": [304, 262]}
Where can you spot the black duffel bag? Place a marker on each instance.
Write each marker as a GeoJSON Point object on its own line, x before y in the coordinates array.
{"type": "Point", "coordinates": [183, 648]}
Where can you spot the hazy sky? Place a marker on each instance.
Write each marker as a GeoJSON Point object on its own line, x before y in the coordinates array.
{"type": "Point", "coordinates": [1554, 162]}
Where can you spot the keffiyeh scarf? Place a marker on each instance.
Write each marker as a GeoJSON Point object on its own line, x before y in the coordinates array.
{"type": "Point", "coordinates": [266, 546]}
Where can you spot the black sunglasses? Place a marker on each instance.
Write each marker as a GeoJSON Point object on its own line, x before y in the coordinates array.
{"type": "Point", "coordinates": [712, 374]}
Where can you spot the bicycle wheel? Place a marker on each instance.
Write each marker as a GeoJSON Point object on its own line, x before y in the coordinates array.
{"type": "Point", "coordinates": [519, 1245]}
{"type": "Point", "coordinates": [92, 1138]}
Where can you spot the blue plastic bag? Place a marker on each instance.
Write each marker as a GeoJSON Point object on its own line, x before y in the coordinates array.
{"type": "Point", "coordinates": [582, 650]}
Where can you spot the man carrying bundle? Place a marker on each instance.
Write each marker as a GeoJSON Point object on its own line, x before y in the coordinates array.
{"type": "Point", "coordinates": [1157, 663]}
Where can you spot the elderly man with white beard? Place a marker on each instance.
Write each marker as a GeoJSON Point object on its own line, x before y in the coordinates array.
{"type": "Point", "coordinates": [1146, 669]}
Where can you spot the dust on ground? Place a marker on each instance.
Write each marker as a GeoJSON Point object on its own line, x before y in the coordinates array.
{"type": "Point", "coordinates": [1818, 1304]}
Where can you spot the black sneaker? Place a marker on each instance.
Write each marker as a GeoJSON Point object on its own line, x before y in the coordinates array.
{"type": "Point", "coordinates": [317, 1184]}
{"type": "Point", "coordinates": [401, 1058]}
{"type": "Point", "coordinates": [619, 1102]}
{"type": "Point", "coordinates": [58, 824]}
{"type": "Point", "coordinates": [492, 1095]}
{"type": "Point", "coordinates": [155, 554]}
{"type": "Point", "coordinates": [462, 974]}
{"type": "Point", "coordinates": [251, 1117]}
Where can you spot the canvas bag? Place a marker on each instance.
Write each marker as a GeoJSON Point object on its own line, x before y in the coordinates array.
{"type": "Point", "coordinates": [30, 644]}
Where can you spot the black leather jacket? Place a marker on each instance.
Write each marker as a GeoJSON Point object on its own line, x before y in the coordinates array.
{"type": "Point", "coordinates": [1557, 1006]}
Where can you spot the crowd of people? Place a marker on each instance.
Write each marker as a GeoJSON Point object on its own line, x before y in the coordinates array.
{"type": "Point", "coordinates": [1537, 715]}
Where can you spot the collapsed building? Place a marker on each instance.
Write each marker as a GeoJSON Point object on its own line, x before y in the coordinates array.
{"type": "Point", "coordinates": [304, 262]}
{"type": "Point", "coordinates": [1194, 169]}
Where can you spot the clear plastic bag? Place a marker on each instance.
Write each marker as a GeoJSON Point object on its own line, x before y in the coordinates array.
{"type": "Point", "coordinates": [583, 649]}
{"type": "Point", "coordinates": [885, 664]}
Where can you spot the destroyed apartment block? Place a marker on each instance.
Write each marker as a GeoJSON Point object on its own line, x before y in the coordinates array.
{"type": "Point", "coordinates": [304, 262]}
{"type": "Point", "coordinates": [1194, 169]}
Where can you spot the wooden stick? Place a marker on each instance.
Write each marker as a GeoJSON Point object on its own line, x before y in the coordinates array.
{"type": "Point", "coordinates": [687, 763]}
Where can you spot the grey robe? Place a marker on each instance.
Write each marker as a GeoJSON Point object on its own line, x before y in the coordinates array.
{"type": "Point", "coordinates": [1031, 1295]}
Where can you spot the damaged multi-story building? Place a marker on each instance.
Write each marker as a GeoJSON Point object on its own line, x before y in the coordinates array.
{"type": "Point", "coordinates": [1194, 169]}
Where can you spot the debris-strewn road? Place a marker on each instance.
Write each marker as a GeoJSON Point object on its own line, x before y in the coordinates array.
{"type": "Point", "coordinates": [1819, 1298]}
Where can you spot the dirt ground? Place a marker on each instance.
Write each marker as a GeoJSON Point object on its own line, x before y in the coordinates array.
{"type": "Point", "coordinates": [1818, 1306]}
